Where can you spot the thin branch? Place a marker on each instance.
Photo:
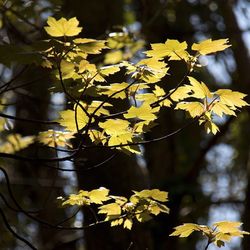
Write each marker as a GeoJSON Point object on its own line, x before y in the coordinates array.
{"type": "Point", "coordinates": [27, 120]}
{"type": "Point", "coordinates": [6, 223]}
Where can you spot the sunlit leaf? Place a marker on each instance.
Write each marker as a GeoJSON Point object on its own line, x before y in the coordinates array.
{"type": "Point", "coordinates": [55, 138]}
{"type": "Point", "coordinates": [110, 209]}
{"type": "Point", "coordinates": [193, 108]}
{"type": "Point", "coordinates": [220, 109]}
{"type": "Point", "coordinates": [200, 90]}
{"type": "Point", "coordinates": [62, 27]}
{"type": "Point", "coordinates": [128, 224]}
{"type": "Point", "coordinates": [144, 112]}
{"type": "Point", "coordinates": [98, 196]}
{"type": "Point", "coordinates": [231, 98]}
{"type": "Point", "coordinates": [173, 49]}
{"type": "Point", "coordinates": [208, 46]}
{"type": "Point", "coordinates": [67, 119]}
{"type": "Point", "coordinates": [15, 142]}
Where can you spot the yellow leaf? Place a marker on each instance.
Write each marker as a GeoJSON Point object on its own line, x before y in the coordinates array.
{"type": "Point", "coordinates": [144, 112]}
{"type": "Point", "coordinates": [15, 142]}
{"type": "Point", "coordinates": [226, 230]}
{"type": "Point", "coordinates": [185, 230]}
{"type": "Point", "coordinates": [155, 194]}
{"type": "Point", "coordinates": [193, 108]}
{"type": "Point", "coordinates": [219, 109]}
{"type": "Point", "coordinates": [96, 136]}
{"type": "Point", "coordinates": [208, 46]}
{"type": "Point", "coordinates": [91, 108]}
{"type": "Point", "coordinates": [62, 27]}
{"type": "Point", "coordinates": [67, 70]}
{"type": "Point", "coordinates": [180, 93]}
{"type": "Point", "coordinates": [90, 46]}
{"type": "Point", "coordinates": [200, 90]}
{"type": "Point", "coordinates": [97, 196]}
{"type": "Point", "coordinates": [152, 70]}
{"type": "Point", "coordinates": [114, 88]}
{"type": "Point", "coordinates": [116, 222]}
{"type": "Point", "coordinates": [113, 57]}
{"type": "Point", "coordinates": [128, 224]}
{"type": "Point", "coordinates": [67, 119]}
{"type": "Point", "coordinates": [231, 98]}
{"type": "Point", "coordinates": [80, 199]}
{"type": "Point", "coordinates": [227, 226]}
{"type": "Point", "coordinates": [55, 138]}
{"type": "Point", "coordinates": [171, 48]}
{"type": "Point", "coordinates": [115, 126]}
{"type": "Point", "coordinates": [120, 139]}
{"type": "Point", "coordinates": [146, 98]}
{"type": "Point", "coordinates": [211, 127]}
{"type": "Point", "coordinates": [110, 209]}
{"type": "Point", "coordinates": [109, 70]}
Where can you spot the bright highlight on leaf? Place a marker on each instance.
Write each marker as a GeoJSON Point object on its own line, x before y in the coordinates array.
{"type": "Point", "coordinates": [63, 27]}
{"type": "Point", "coordinates": [54, 138]}
{"type": "Point", "coordinates": [173, 49]}
{"type": "Point", "coordinates": [218, 234]}
{"type": "Point", "coordinates": [222, 102]}
{"type": "Point", "coordinates": [119, 210]}
{"type": "Point", "coordinates": [208, 46]}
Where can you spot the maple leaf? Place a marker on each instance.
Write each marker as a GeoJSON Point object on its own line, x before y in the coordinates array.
{"type": "Point", "coordinates": [115, 126]}
{"type": "Point", "coordinates": [62, 27]}
{"type": "Point", "coordinates": [113, 88]}
{"type": "Point", "coordinates": [222, 231]}
{"type": "Point", "coordinates": [200, 90]}
{"type": "Point", "coordinates": [15, 142]}
{"type": "Point", "coordinates": [128, 224]}
{"type": "Point", "coordinates": [155, 194]}
{"type": "Point", "coordinates": [90, 46]}
{"type": "Point", "coordinates": [113, 57]}
{"type": "Point", "coordinates": [171, 48]}
{"type": "Point", "coordinates": [233, 99]}
{"type": "Point", "coordinates": [219, 109]}
{"type": "Point", "coordinates": [208, 46]}
{"type": "Point", "coordinates": [55, 138]}
{"type": "Point", "coordinates": [67, 119]}
{"type": "Point", "coordinates": [187, 228]}
{"type": "Point", "coordinates": [110, 209]}
{"type": "Point", "coordinates": [67, 70]}
{"type": "Point", "coordinates": [193, 108]}
{"type": "Point", "coordinates": [144, 112]}
{"type": "Point", "coordinates": [80, 199]}
{"type": "Point", "coordinates": [98, 196]}
{"type": "Point", "coordinates": [180, 93]}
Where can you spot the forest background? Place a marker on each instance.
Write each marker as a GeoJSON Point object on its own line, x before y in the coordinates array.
{"type": "Point", "coordinates": [207, 176]}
